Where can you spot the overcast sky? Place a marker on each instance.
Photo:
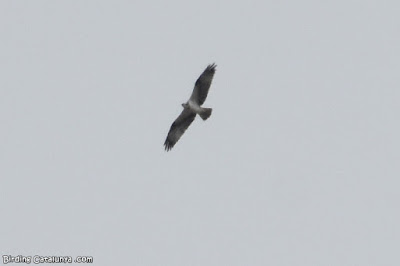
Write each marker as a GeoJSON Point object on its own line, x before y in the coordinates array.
{"type": "Point", "coordinates": [299, 163]}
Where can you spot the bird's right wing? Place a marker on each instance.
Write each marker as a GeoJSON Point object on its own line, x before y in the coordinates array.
{"type": "Point", "coordinates": [179, 127]}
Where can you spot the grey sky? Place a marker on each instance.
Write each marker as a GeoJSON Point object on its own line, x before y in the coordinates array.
{"type": "Point", "coordinates": [298, 164]}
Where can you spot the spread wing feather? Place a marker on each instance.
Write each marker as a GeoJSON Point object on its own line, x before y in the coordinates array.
{"type": "Point", "coordinates": [203, 84]}
{"type": "Point", "coordinates": [179, 127]}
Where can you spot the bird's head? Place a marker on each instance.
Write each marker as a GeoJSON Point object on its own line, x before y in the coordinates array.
{"type": "Point", "coordinates": [185, 105]}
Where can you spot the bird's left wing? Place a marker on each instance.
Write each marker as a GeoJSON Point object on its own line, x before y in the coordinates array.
{"type": "Point", "coordinates": [202, 85]}
{"type": "Point", "coordinates": [179, 127]}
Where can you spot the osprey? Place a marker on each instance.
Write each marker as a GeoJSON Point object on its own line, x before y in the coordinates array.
{"type": "Point", "coordinates": [192, 108]}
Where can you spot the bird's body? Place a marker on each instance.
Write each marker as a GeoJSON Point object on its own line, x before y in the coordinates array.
{"type": "Point", "coordinates": [204, 113]}
{"type": "Point", "coordinates": [192, 107]}
{"type": "Point", "coordinates": [195, 107]}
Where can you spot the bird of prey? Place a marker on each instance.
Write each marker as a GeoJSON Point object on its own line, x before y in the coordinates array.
{"type": "Point", "coordinates": [192, 108]}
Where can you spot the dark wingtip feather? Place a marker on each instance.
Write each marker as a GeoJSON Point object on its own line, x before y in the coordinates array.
{"type": "Point", "coordinates": [168, 145]}
{"type": "Point", "coordinates": [211, 67]}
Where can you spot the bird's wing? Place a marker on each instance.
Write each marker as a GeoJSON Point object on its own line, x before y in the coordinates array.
{"type": "Point", "coordinates": [202, 85]}
{"type": "Point", "coordinates": [179, 127]}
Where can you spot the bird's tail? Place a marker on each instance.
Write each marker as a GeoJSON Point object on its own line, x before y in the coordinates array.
{"type": "Point", "coordinates": [205, 113]}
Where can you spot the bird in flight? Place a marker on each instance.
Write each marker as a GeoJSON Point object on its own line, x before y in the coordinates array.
{"type": "Point", "coordinates": [192, 108]}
